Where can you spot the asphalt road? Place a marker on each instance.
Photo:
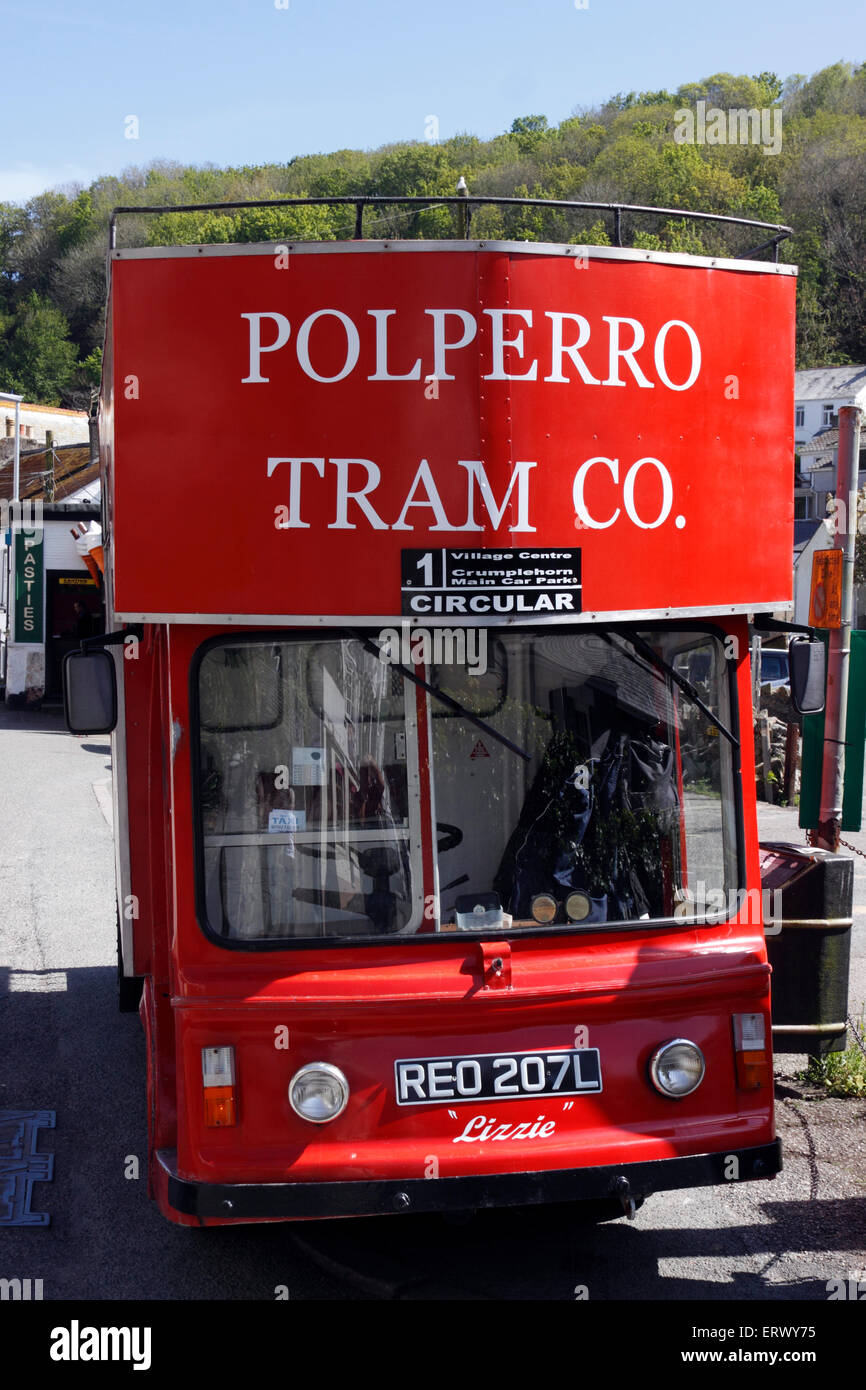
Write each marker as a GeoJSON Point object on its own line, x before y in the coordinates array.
{"type": "Point", "coordinates": [64, 1047]}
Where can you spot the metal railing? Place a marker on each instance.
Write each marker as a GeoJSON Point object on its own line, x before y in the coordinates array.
{"type": "Point", "coordinates": [465, 205]}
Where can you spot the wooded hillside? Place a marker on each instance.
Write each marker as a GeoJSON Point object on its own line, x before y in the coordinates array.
{"type": "Point", "coordinates": [52, 250]}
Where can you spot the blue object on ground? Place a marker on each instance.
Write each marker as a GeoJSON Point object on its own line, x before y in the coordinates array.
{"type": "Point", "coordinates": [21, 1165]}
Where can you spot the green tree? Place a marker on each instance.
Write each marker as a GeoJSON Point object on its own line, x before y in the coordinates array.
{"type": "Point", "coordinates": [414, 169]}
{"type": "Point", "coordinates": [83, 391]}
{"type": "Point", "coordinates": [91, 367]}
{"type": "Point", "coordinates": [771, 83]}
{"type": "Point", "coordinates": [727, 90]}
{"type": "Point", "coordinates": [529, 125]}
{"type": "Point", "coordinates": [75, 222]}
{"type": "Point", "coordinates": [827, 90]}
{"type": "Point", "coordinates": [529, 131]}
{"type": "Point", "coordinates": [38, 361]}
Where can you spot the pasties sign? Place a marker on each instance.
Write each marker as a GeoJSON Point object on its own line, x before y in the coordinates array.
{"type": "Point", "coordinates": [324, 434]}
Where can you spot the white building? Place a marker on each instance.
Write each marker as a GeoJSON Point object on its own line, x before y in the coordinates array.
{"type": "Point", "coordinates": [818, 393]}
{"type": "Point", "coordinates": [67, 426]}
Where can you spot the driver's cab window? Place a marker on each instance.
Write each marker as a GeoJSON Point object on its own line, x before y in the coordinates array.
{"type": "Point", "coordinates": [308, 791]}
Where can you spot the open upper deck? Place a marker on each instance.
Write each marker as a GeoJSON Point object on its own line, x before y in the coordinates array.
{"type": "Point", "coordinates": [357, 430]}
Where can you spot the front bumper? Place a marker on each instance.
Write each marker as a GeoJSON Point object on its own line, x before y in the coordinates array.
{"type": "Point", "coordinates": [383, 1197]}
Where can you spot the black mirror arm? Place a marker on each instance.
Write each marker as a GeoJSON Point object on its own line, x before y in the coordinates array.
{"type": "Point", "coordinates": [765, 623]}
{"type": "Point", "coordinates": [112, 639]}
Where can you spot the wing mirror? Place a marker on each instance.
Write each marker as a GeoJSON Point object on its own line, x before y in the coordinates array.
{"type": "Point", "coordinates": [807, 661]}
{"type": "Point", "coordinates": [89, 691]}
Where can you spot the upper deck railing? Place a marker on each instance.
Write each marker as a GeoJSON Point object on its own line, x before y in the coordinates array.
{"type": "Point", "coordinates": [465, 205]}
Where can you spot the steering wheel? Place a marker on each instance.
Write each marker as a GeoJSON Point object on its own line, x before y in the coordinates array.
{"type": "Point", "coordinates": [452, 836]}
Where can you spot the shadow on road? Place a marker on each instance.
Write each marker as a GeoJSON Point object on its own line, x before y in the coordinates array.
{"type": "Point", "coordinates": [65, 1048]}
{"type": "Point", "coordinates": [548, 1253]}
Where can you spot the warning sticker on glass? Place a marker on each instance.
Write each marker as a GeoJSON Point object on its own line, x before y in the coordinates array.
{"type": "Point", "coordinates": [308, 767]}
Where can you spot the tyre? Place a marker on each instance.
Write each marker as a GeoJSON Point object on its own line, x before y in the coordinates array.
{"type": "Point", "coordinates": [129, 987]}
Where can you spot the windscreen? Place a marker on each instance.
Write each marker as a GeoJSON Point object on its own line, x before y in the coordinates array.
{"type": "Point", "coordinates": [563, 778]}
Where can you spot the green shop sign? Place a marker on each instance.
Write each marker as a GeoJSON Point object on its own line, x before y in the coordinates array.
{"type": "Point", "coordinates": [29, 586]}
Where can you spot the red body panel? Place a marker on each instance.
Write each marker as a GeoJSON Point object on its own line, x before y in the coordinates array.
{"type": "Point", "coordinates": [188, 424]}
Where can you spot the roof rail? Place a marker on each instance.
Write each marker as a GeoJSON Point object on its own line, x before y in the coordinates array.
{"type": "Point", "coordinates": [466, 205]}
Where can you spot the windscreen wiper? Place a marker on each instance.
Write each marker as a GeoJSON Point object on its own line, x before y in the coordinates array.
{"type": "Point", "coordinates": [684, 684]}
{"type": "Point", "coordinates": [359, 636]}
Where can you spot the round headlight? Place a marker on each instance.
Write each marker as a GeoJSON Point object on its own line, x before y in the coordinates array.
{"type": "Point", "coordinates": [318, 1092]}
{"type": "Point", "coordinates": [543, 908]}
{"type": "Point", "coordinates": [577, 907]}
{"type": "Point", "coordinates": [677, 1068]}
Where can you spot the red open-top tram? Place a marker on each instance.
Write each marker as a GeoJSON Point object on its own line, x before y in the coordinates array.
{"type": "Point", "coordinates": [428, 567]}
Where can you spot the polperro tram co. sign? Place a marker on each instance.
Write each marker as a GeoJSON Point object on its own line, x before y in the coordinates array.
{"type": "Point", "coordinates": [491, 434]}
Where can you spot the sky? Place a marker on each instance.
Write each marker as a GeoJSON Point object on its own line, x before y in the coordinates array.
{"type": "Point", "coordinates": [231, 82]}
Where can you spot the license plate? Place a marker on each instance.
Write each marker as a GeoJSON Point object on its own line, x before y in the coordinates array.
{"type": "Point", "coordinates": [497, 1076]}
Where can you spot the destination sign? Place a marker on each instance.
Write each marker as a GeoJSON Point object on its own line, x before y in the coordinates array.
{"type": "Point", "coordinates": [495, 583]}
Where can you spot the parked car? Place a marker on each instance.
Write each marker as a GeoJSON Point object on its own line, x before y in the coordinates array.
{"type": "Point", "coordinates": [774, 668]}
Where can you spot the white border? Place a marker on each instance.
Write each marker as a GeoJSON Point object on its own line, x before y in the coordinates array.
{"type": "Point", "coordinates": [523, 248]}
{"type": "Point", "coordinates": [120, 783]}
{"type": "Point", "coordinates": [120, 809]}
{"type": "Point", "coordinates": [314, 620]}
{"type": "Point", "coordinates": [413, 799]}
{"type": "Point", "coordinates": [431, 777]}
{"type": "Point", "coordinates": [513, 248]}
